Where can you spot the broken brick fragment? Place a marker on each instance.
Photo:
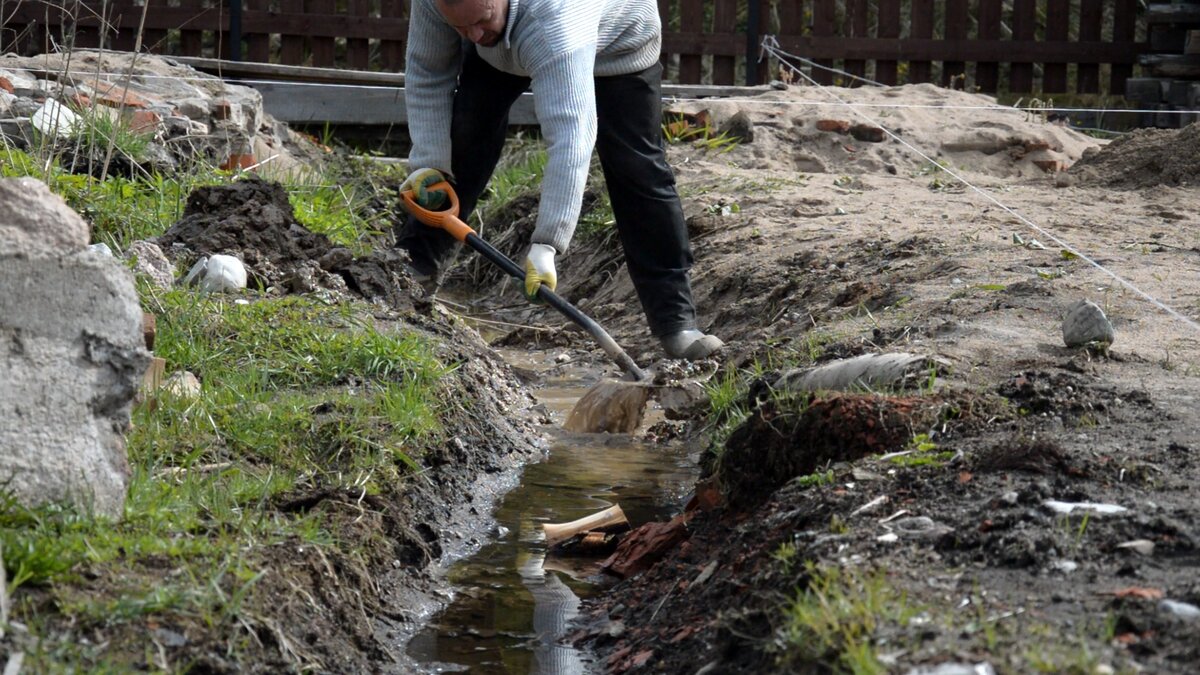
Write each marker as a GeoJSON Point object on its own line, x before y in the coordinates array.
{"type": "Point", "coordinates": [836, 126]}
{"type": "Point", "coordinates": [6, 84]}
{"type": "Point", "coordinates": [867, 133]}
{"type": "Point", "coordinates": [645, 546]}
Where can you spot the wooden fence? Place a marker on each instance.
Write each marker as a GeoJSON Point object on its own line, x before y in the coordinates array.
{"type": "Point", "coordinates": [1048, 46]}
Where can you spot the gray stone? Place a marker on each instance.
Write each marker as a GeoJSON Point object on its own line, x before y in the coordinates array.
{"type": "Point", "coordinates": [1180, 610]}
{"type": "Point", "coordinates": [739, 127]}
{"type": "Point", "coordinates": [35, 221]}
{"type": "Point", "coordinates": [148, 260]}
{"type": "Point", "coordinates": [71, 357]}
{"type": "Point", "coordinates": [1086, 323]}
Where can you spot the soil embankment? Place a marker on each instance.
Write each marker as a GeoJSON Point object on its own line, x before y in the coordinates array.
{"type": "Point", "coordinates": [1041, 511]}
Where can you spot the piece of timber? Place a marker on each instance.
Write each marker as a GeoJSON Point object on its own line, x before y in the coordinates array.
{"type": "Point", "coordinates": [302, 102]}
{"type": "Point", "coordinates": [1163, 65]}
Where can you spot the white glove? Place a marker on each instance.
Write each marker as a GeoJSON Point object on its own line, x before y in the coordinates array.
{"type": "Point", "coordinates": [539, 269]}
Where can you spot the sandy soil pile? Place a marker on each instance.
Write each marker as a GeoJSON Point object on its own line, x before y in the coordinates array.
{"type": "Point", "coordinates": [813, 131]}
{"type": "Point", "coordinates": [1145, 158]}
{"type": "Point", "coordinates": [253, 220]}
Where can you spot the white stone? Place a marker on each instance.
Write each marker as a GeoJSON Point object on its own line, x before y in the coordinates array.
{"type": "Point", "coordinates": [55, 119]}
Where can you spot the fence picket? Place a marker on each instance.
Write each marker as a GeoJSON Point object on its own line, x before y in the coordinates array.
{"type": "Point", "coordinates": [724, 21]}
{"type": "Point", "coordinates": [391, 52]}
{"type": "Point", "coordinates": [956, 30]}
{"type": "Point", "coordinates": [987, 74]}
{"type": "Point", "coordinates": [922, 29]}
{"type": "Point", "coordinates": [1054, 73]}
{"type": "Point", "coordinates": [855, 26]}
{"type": "Point", "coordinates": [321, 48]}
{"type": "Point", "coordinates": [1024, 20]}
{"type": "Point", "coordinates": [824, 17]}
{"type": "Point", "coordinates": [1124, 32]}
{"type": "Point", "coordinates": [1091, 15]}
{"type": "Point", "coordinates": [258, 45]}
{"type": "Point", "coordinates": [889, 28]}
{"type": "Point", "coordinates": [691, 21]}
{"type": "Point", "coordinates": [358, 50]}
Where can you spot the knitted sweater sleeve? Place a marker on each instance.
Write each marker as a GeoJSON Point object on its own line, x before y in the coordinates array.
{"type": "Point", "coordinates": [565, 98]}
{"type": "Point", "coordinates": [434, 57]}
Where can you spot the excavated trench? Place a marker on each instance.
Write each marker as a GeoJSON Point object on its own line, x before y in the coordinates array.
{"type": "Point", "coordinates": [512, 600]}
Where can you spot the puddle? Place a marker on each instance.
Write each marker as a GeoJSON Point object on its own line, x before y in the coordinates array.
{"type": "Point", "coordinates": [512, 603]}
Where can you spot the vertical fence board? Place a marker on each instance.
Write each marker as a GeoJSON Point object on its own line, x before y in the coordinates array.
{"type": "Point", "coordinates": [791, 24]}
{"type": "Point", "coordinates": [922, 29]}
{"type": "Point", "coordinates": [889, 28]}
{"type": "Point", "coordinates": [956, 31]}
{"type": "Point", "coordinates": [321, 48]}
{"type": "Point", "coordinates": [1024, 20]}
{"type": "Point", "coordinates": [1091, 15]}
{"type": "Point", "coordinates": [724, 22]}
{"type": "Point", "coordinates": [123, 38]}
{"type": "Point", "coordinates": [391, 52]}
{"type": "Point", "coordinates": [258, 45]}
{"type": "Point", "coordinates": [664, 13]}
{"type": "Point", "coordinates": [358, 50]}
{"type": "Point", "coordinates": [855, 26]}
{"type": "Point", "coordinates": [691, 20]}
{"type": "Point", "coordinates": [824, 18]}
{"type": "Point", "coordinates": [1124, 31]}
{"type": "Point", "coordinates": [191, 38]}
{"type": "Point", "coordinates": [1058, 16]}
{"type": "Point", "coordinates": [987, 74]}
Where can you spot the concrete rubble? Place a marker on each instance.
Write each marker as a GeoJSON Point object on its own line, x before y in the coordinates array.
{"type": "Point", "coordinates": [72, 355]}
{"type": "Point", "coordinates": [190, 115]}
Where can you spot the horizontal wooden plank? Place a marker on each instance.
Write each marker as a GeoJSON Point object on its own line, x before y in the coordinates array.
{"type": "Point", "coordinates": [296, 102]}
{"type": "Point", "coordinates": [913, 49]}
{"type": "Point", "coordinates": [1172, 66]}
{"type": "Point", "coordinates": [212, 19]}
{"type": "Point", "coordinates": [1029, 51]}
{"type": "Point", "coordinates": [1173, 14]}
{"type": "Point", "coordinates": [271, 71]}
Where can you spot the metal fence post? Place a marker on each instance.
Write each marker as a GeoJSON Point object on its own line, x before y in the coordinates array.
{"type": "Point", "coordinates": [753, 20]}
{"type": "Point", "coordinates": [235, 30]}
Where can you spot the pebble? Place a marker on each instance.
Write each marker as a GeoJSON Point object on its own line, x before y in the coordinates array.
{"type": "Point", "coordinates": [1085, 322]}
{"type": "Point", "coordinates": [1093, 507]}
{"type": "Point", "coordinates": [1142, 546]}
{"type": "Point", "coordinates": [1010, 497]}
{"type": "Point", "coordinates": [1181, 610]}
{"type": "Point", "coordinates": [955, 669]}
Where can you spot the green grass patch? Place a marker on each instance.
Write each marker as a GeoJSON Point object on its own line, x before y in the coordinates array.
{"type": "Point", "coordinates": [831, 624]}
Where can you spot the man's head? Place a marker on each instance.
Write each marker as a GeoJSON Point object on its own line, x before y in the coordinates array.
{"type": "Point", "coordinates": [480, 21]}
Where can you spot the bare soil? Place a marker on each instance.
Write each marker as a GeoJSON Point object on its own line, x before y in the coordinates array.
{"type": "Point", "coordinates": [812, 245]}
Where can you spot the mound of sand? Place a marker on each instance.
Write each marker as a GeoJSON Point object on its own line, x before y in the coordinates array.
{"type": "Point", "coordinates": [807, 129]}
{"type": "Point", "coordinates": [253, 220]}
{"type": "Point", "coordinates": [1145, 158]}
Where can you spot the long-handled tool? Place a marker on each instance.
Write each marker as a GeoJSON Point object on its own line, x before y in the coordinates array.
{"type": "Point", "coordinates": [448, 220]}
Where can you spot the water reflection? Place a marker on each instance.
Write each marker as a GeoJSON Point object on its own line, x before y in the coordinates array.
{"type": "Point", "coordinates": [512, 603]}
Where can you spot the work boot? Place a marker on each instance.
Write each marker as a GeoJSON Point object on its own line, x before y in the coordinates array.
{"type": "Point", "coordinates": [690, 344]}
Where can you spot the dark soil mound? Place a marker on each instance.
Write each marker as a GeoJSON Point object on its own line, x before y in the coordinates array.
{"type": "Point", "coordinates": [1144, 158]}
{"type": "Point", "coordinates": [253, 221]}
{"type": "Point", "coordinates": [782, 440]}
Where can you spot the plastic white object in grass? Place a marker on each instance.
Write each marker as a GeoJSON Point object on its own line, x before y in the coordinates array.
{"type": "Point", "coordinates": [217, 274]}
{"type": "Point", "coordinates": [54, 119]}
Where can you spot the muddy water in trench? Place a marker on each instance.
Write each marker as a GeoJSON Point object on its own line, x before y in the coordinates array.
{"type": "Point", "coordinates": [512, 603]}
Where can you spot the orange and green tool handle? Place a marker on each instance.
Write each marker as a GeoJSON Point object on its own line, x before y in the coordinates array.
{"type": "Point", "coordinates": [448, 220]}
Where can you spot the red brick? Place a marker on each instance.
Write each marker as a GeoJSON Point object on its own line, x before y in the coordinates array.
{"type": "Point", "coordinates": [836, 126]}
{"type": "Point", "coordinates": [6, 85]}
{"type": "Point", "coordinates": [144, 121]}
{"type": "Point", "coordinates": [118, 97]}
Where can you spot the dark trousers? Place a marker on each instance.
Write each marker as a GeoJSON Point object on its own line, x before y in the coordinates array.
{"type": "Point", "coordinates": [641, 185]}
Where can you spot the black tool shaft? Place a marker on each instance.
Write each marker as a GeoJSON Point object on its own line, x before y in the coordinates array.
{"type": "Point", "coordinates": [556, 301]}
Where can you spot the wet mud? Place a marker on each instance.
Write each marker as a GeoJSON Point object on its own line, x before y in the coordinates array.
{"type": "Point", "coordinates": [253, 220]}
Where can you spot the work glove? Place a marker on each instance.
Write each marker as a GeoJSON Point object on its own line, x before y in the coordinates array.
{"type": "Point", "coordinates": [419, 182]}
{"type": "Point", "coordinates": [539, 269]}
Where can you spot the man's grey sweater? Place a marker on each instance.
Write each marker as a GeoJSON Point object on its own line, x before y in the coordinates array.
{"type": "Point", "coordinates": [561, 45]}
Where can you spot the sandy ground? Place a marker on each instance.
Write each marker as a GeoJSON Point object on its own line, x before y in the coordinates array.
{"type": "Point", "coordinates": [813, 244]}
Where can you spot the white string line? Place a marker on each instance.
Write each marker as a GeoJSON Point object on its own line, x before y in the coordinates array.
{"type": "Point", "coordinates": [843, 73]}
{"type": "Point", "coordinates": [233, 79]}
{"type": "Point", "coordinates": [1032, 225]}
